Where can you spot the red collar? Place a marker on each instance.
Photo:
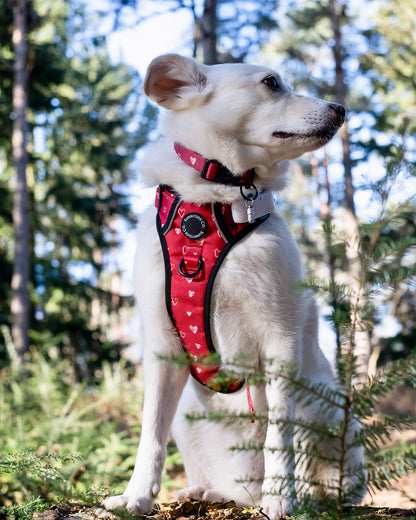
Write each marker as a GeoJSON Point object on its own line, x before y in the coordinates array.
{"type": "Point", "coordinates": [212, 170]}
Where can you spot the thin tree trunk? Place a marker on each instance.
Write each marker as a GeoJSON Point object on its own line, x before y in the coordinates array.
{"type": "Point", "coordinates": [20, 305]}
{"type": "Point", "coordinates": [362, 337]}
{"type": "Point", "coordinates": [326, 217]}
{"type": "Point", "coordinates": [197, 31]}
{"type": "Point", "coordinates": [209, 32]}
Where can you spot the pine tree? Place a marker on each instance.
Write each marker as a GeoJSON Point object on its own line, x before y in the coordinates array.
{"type": "Point", "coordinates": [325, 61]}
{"type": "Point", "coordinates": [390, 65]}
{"type": "Point", "coordinates": [84, 133]}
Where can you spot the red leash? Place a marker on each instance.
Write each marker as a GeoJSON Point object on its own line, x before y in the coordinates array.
{"type": "Point", "coordinates": [250, 404]}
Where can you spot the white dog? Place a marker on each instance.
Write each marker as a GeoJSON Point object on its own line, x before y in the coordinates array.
{"type": "Point", "coordinates": [246, 119]}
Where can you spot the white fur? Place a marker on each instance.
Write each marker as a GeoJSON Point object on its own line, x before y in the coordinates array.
{"type": "Point", "coordinates": [228, 113]}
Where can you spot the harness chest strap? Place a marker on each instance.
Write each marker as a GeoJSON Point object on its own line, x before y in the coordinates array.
{"type": "Point", "coordinates": [195, 239]}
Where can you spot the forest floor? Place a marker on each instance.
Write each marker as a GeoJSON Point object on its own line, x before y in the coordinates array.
{"type": "Point", "coordinates": [397, 502]}
{"type": "Point", "coordinates": [228, 511]}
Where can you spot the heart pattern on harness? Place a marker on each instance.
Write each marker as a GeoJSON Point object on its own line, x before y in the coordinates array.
{"type": "Point", "coordinates": [188, 306]}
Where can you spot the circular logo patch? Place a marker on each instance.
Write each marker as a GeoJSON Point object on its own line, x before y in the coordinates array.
{"type": "Point", "coordinates": [194, 226]}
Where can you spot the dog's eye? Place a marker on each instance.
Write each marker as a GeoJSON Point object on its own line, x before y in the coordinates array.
{"type": "Point", "coordinates": [272, 83]}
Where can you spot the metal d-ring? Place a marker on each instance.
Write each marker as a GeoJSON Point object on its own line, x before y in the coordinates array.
{"type": "Point", "coordinates": [184, 272]}
{"type": "Point", "coordinates": [250, 196]}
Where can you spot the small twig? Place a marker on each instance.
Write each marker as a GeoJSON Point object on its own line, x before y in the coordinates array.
{"type": "Point", "coordinates": [264, 514]}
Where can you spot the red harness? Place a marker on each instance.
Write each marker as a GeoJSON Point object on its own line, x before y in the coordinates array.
{"type": "Point", "coordinates": [195, 240]}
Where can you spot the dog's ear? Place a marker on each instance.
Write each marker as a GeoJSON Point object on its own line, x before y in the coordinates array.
{"type": "Point", "coordinates": [175, 82]}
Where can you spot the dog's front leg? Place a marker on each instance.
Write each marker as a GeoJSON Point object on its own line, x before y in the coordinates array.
{"type": "Point", "coordinates": [279, 461]}
{"type": "Point", "coordinates": [163, 383]}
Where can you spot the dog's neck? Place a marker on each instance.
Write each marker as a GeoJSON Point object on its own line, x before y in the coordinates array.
{"type": "Point", "coordinates": [161, 165]}
{"type": "Point", "coordinates": [211, 169]}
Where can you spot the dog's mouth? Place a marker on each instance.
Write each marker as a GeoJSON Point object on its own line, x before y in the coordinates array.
{"type": "Point", "coordinates": [283, 135]}
{"type": "Point", "coordinates": [326, 133]}
{"type": "Point", "coordinates": [323, 133]}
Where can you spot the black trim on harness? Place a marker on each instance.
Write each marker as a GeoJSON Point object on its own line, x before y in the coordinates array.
{"type": "Point", "coordinates": [162, 230]}
{"type": "Point", "coordinates": [176, 202]}
{"type": "Point", "coordinates": [231, 241]}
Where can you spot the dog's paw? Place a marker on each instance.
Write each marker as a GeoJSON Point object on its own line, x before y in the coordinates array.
{"type": "Point", "coordinates": [111, 504]}
{"type": "Point", "coordinates": [276, 507]}
{"type": "Point", "coordinates": [133, 505]}
{"type": "Point", "coordinates": [102, 513]}
{"type": "Point", "coordinates": [139, 505]}
{"type": "Point", "coordinates": [199, 493]}
{"type": "Point", "coordinates": [210, 495]}
{"type": "Point", "coordinates": [190, 493]}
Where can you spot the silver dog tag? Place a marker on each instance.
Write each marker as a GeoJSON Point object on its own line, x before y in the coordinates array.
{"type": "Point", "coordinates": [262, 205]}
{"type": "Point", "coordinates": [250, 211]}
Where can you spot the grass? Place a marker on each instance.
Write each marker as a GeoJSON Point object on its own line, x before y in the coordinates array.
{"type": "Point", "coordinates": [61, 438]}
{"type": "Point", "coordinates": [64, 441]}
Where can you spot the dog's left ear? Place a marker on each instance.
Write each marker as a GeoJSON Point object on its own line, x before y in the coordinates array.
{"type": "Point", "coordinates": [175, 82]}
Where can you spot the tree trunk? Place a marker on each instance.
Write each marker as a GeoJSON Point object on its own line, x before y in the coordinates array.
{"type": "Point", "coordinates": [326, 217]}
{"type": "Point", "coordinates": [362, 342]}
{"type": "Point", "coordinates": [209, 32]}
{"type": "Point", "coordinates": [20, 304]}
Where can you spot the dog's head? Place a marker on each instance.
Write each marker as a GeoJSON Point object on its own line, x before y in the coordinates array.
{"type": "Point", "coordinates": [241, 115]}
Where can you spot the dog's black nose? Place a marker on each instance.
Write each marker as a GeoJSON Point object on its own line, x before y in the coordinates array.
{"type": "Point", "coordinates": [339, 110]}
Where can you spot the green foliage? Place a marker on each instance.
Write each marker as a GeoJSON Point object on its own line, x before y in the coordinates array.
{"type": "Point", "coordinates": [383, 268]}
{"type": "Point", "coordinates": [35, 471]}
{"type": "Point", "coordinates": [23, 512]}
{"type": "Point", "coordinates": [390, 62]}
{"type": "Point", "coordinates": [84, 134]}
{"type": "Point", "coordinates": [244, 27]}
{"type": "Point", "coordinates": [61, 439]}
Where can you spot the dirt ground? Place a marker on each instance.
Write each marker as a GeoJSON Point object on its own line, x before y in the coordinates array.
{"type": "Point", "coordinates": [403, 492]}
{"type": "Point", "coordinates": [402, 402]}
{"type": "Point", "coordinates": [207, 511]}
{"type": "Point", "coordinates": [403, 496]}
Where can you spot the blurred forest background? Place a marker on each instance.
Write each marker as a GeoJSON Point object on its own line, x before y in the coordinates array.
{"type": "Point", "coordinates": [73, 120]}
